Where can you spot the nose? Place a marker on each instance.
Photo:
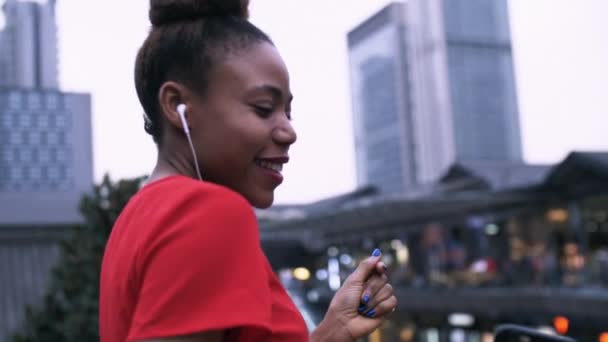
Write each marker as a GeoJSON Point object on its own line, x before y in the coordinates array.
{"type": "Point", "coordinates": [284, 134]}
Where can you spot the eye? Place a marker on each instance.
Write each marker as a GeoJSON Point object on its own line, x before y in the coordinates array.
{"type": "Point", "coordinates": [263, 111]}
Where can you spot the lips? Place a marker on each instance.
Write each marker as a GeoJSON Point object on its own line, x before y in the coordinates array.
{"type": "Point", "coordinates": [272, 163]}
{"type": "Point", "coordinates": [278, 167]}
{"type": "Point", "coordinates": [273, 167]}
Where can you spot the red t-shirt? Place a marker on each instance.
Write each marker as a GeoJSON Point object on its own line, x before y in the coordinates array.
{"type": "Point", "coordinates": [185, 257]}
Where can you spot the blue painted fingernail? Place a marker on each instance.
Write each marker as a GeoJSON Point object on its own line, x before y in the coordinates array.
{"type": "Point", "coordinates": [371, 313]}
{"type": "Point", "coordinates": [362, 308]}
{"type": "Point", "coordinates": [376, 252]}
{"type": "Point", "coordinates": [366, 299]}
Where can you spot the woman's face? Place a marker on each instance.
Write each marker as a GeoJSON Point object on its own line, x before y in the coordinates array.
{"type": "Point", "coordinates": [241, 128]}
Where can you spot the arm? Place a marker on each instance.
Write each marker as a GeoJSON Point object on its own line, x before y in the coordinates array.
{"type": "Point", "coordinates": [330, 329]}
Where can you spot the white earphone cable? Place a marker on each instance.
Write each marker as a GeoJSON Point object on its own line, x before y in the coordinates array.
{"type": "Point", "coordinates": [198, 171]}
{"type": "Point", "coordinates": [181, 110]}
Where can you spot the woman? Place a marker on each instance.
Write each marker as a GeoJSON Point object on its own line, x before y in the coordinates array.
{"type": "Point", "coordinates": [184, 262]}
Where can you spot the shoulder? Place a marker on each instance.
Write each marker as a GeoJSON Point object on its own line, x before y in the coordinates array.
{"type": "Point", "coordinates": [178, 195]}
{"type": "Point", "coordinates": [183, 217]}
{"type": "Point", "coordinates": [217, 205]}
{"type": "Point", "coordinates": [191, 207]}
{"type": "Point", "coordinates": [180, 188]}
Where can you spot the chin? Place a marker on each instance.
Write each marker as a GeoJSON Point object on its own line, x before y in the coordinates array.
{"type": "Point", "coordinates": [262, 201]}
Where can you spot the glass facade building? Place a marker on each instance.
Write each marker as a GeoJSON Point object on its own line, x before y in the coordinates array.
{"type": "Point", "coordinates": [481, 78]}
{"type": "Point", "coordinates": [382, 114]}
{"type": "Point", "coordinates": [28, 57]}
{"type": "Point", "coordinates": [45, 154]}
{"type": "Point", "coordinates": [432, 83]}
{"type": "Point", "coordinates": [46, 161]}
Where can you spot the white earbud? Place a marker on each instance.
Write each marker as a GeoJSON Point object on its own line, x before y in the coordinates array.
{"type": "Point", "coordinates": [181, 110]}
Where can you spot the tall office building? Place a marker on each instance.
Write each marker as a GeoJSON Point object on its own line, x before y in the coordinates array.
{"type": "Point", "coordinates": [45, 134]}
{"type": "Point", "coordinates": [45, 155]}
{"type": "Point", "coordinates": [384, 144]}
{"type": "Point", "coordinates": [447, 93]}
{"type": "Point", "coordinates": [28, 58]}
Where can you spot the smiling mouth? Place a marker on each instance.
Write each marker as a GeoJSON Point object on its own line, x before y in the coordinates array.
{"type": "Point", "coordinates": [274, 166]}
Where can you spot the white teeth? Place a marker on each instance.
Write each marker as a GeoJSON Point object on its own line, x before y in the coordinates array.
{"type": "Point", "coordinates": [278, 167]}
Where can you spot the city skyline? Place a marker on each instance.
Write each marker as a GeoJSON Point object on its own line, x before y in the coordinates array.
{"type": "Point", "coordinates": [553, 61]}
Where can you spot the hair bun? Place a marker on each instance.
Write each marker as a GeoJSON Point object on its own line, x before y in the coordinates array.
{"type": "Point", "coordinates": [167, 11]}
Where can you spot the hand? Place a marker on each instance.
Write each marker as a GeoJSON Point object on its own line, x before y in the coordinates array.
{"type": "Point", "coordinates": [343, 321]}
{"type": "Point", "coordinates": [375, 297]}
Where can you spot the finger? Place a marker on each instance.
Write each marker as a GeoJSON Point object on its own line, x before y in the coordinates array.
{"type": "Point", "coordinates": [384, 308]}
{"type": "Point", "coordinates": [365, 268]}
{"type": "Point", "coordinates": [383, 294]}
{"type": "Point", "coordinates": [381, 267]}
{"type": "Point", "coordinates": [372, 286]}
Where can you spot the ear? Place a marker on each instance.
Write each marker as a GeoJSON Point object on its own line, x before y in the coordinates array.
{"type": "Point", "coordinates": [170, 95]}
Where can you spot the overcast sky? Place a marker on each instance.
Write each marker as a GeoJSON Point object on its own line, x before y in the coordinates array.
{"type": "Point", "coordinates": [561, 60]}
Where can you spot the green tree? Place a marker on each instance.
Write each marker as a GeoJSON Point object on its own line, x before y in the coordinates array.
{"type": "Point", "coordinates": [69, 309]}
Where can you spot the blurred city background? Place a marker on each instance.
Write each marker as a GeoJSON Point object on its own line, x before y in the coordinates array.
{"type": "Point", "coordinates": [465, 138]}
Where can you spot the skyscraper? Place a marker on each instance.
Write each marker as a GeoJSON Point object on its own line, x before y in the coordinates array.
{"type": "Point", "coordinates": [384, 144]}
{"type": "Point", "coordinates": [45, 134]}
{"type": "Point", "coordinates": [463, 79]}
{"type": "Point", "coordinates": [28, 58]}
{"type": "Point", "coordinates": [45, 155]}
{"type": "Point", "coordinates": [452, 85]}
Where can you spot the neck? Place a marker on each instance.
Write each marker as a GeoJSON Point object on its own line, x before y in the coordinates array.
{"type": "Point", "coordinates": [171, 162]}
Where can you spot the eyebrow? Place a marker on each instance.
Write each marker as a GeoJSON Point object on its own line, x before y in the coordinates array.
{"type": "Point", "coordinates": [276, 92]}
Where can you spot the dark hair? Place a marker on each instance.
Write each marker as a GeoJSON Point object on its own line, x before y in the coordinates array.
{"type": "Point", "coordinates": [187, 38]}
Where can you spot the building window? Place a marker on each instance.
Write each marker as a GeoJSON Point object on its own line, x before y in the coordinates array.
{"type": "Point", "coordinates": [52, 101]}
{"type": "Point", "coordinates": [14, 100]}
{"type": "Point", "coordinates": [52, 138]}
{"type": "Point", "coordinates": [15, 138]}
{"type": "Point", "coordinates": [35, 155]}
{"type": "Point", "coordinates": [61, 155]}
{"type": "Point", "coordinates": [43, 121]}
{"type": "Point", "coordinates": [15, 115]}
{"type": "Point", "coordinates": [15, 173]}
{"type": "Point", "coordinates": [26, 155]}
{"type": "Point", "coordinates": [7, 154]}
{"type": "Point", "coordinates": [33, 117]}
{"type": "Point", "coordinates": [4, 137]}
{"type": "Point", "coordinates": [25, 137]}
{"type": "Point", "coordinates": [6, 120]}
{"type": "Point", "coordinates": [25, 120]}
{"type": "Point", "coordinates": [69, 172]}
{"type": "Point", "coordinates": [35, 173]}
{"type": "Point", "coordinates": [61, 137]}
{"type": "Point", "coordinates": [44, 138]}
{"type": "Point", "coordinates": [34, 137]}
{"type": "Point", "coordinates": [53, 173]}
{"type": "Point", "coordinates": [4, 173]}
{"type": "Point", "coordinates": [61, 119]}
{"type": "Point", "coordinates": [44, 173]}
{"type": "Point", "coordinates": [33, 101]}
{"type": "Point", "coordinates": [44, 155]}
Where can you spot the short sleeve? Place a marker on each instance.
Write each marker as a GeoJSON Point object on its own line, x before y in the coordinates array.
{"type": "Point", "coordinates": [203, 271]}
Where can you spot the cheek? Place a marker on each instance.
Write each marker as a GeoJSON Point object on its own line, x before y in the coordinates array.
{"type": "Point", "coordinates": [254, 133]}
{"type": "Point", "coordinates": [236, 137]}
